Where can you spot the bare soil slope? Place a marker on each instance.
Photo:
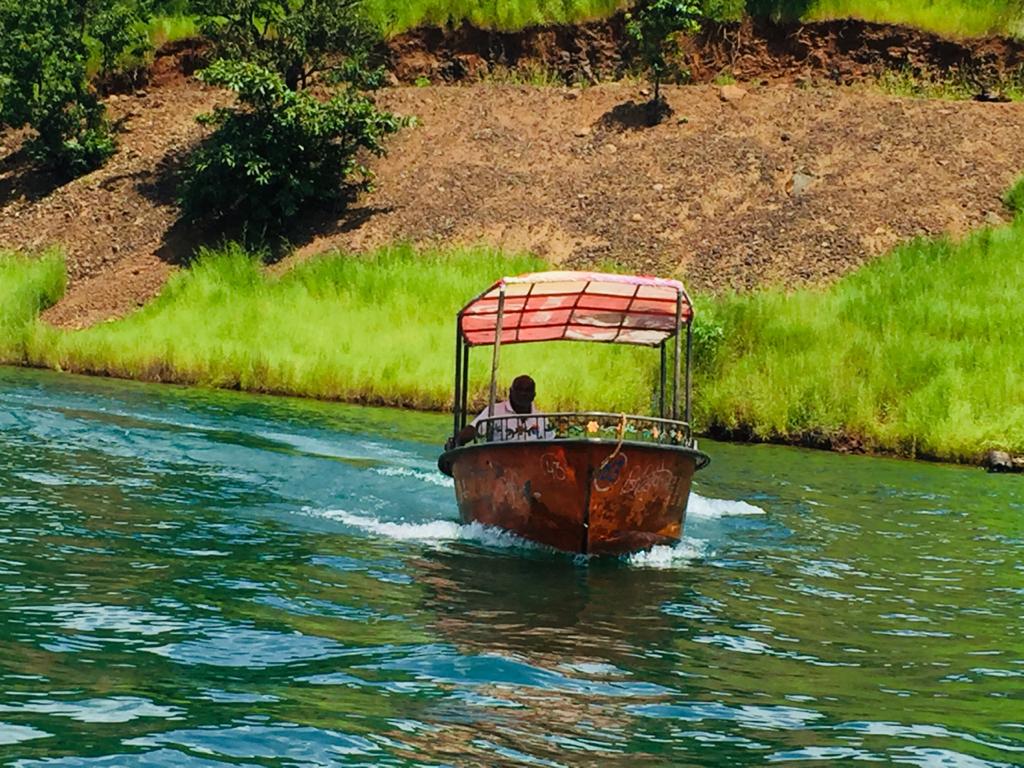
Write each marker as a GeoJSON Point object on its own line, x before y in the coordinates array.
{"type": "Point", "coordinates": [786, 184]}
{"type": "Point", "coordinates": [116, 225]}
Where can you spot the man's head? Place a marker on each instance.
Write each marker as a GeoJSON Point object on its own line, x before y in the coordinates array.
{"type": "Point", "coordinates": [521, 394]}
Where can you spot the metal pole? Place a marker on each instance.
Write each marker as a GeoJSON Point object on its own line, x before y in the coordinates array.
{"type": "Point", "coordinates": [456, 396]}
{"type": "Point", "coordinates": [664, 375]}
{"type": "Point", "coordinates": [675, 380]}
{"type": "Point", "coordinates": [464, 395]}
{"type": "Point", "coordinates": [497, 350]}
{"type": "Point", "coordinates": [689, 361]}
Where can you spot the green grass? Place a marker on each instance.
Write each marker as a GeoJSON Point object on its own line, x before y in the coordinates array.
{"type": "Point", "coordinates": [954, 18]}
{"type": "Point", "coordinates": [167, 29]}
{"type": "Point", "coordinates": [955, 85]}
{"type": "Point", "coordinates": [399, 15]}
{"type": "Point", "coordinates": [919, 354]}
{"type": "Point", "coordinates": [27, 286]}
{"type": "Point", "coordinates": [377, 329]}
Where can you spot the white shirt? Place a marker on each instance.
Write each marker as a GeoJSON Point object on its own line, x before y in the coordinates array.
{"type": "Point", "coordinates": [523, 428]}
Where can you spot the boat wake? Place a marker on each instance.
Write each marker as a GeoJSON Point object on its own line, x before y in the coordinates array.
{"type": "Point", "coordinates": [705, 508]}
{"type": "Point", "coordinates": [431, 477]}
{"type": "Point", "coordinates": [434, 531]}
{"type": "Point", "coordinates": [442, 532]}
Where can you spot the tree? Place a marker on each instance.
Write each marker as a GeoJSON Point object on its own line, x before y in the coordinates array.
{"type": "Point", "coordinates": [44, 82]}
{"type": "Point", "coordinates": [278, 149]}
{"type": "Point", "coordinates": [298, 39]}
{"type": "Point", "coordinates": [653, 26]}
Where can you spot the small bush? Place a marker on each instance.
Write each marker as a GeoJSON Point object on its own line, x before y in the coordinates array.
{"type": "Point", "coordinates": [653, 26]}
{"type": "Point", "coordinates": [119, 26]}
{"type": "Point", "coordinates": [1014, 198]}
{"type": "Point", "coordinates": [278, 150]}
{"type": "Point", "coordinates": [708, 337]}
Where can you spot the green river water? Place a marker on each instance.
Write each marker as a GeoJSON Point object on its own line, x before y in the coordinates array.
{"type": "Point", "coordinates": [202, 579]}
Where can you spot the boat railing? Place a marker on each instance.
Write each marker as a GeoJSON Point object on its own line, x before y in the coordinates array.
{"type": "Point", "coordinates": [593, 425]}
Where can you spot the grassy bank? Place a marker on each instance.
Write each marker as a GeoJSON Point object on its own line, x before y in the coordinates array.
{"type": "Point", "coordinates": [954, 18]}
{"type": "Point", "coordinates": [400, 15]}
{"type": "Point", "coordinates": [27, 285]}
{"type": "Point", "coordinates": [377, 329]}
{"type": "Point", "coordinates": [918, 354]}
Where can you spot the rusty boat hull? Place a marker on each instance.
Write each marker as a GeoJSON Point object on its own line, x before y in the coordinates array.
{"type": "Point", "coordinates": [583, 496]}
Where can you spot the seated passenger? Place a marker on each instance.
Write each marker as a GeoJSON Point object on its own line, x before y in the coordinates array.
{"type": "Point", "coordinates": [520, 401]}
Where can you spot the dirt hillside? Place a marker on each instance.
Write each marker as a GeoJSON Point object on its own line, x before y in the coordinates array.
{"type": "Point", "coordinates": [841, 52]}
{"type": "Point", "coordinates": [770, 183]}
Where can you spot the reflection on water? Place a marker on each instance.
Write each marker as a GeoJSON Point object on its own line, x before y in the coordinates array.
{"type": "Point", "coordinates": [194, 578]}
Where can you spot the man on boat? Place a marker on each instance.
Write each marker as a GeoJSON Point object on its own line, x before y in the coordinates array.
{"type": "Point", "coordinates": [520, 401]}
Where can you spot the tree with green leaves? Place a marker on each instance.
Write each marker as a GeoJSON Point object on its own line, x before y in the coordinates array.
{"type": "Point", "coordinates": [654, 26]}
{"type": "Point", "coordinates": [44, 82]}
{"type": "Point", "coordinates": [299, 39]}
{"type": "Point", "coordinates": [278, 149]}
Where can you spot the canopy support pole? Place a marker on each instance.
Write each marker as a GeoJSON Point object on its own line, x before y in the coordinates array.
{"type": "Point", "coordinates": [678, 356]}
{"type": "Point", "coordinates": [464, 395]}
{"type": "Point", "coordinates": [457, 394]}
{"type": "Point", "coordinates": [498, 327]}
{"type": "Point", "coordinates": [662, 379]}
{"type": "Point", "coordinates": [689, 371]}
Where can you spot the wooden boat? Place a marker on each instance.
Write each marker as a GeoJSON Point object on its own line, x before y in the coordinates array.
{"type": "Point", "coordinates": [587, 482]}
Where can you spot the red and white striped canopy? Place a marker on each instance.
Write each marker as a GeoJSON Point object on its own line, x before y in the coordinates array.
{"type": "Point", "coordinates": [578, 306]}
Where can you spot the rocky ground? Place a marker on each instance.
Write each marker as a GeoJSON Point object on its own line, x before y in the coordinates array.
{"type": "Point", "coordinates": [772, 182]}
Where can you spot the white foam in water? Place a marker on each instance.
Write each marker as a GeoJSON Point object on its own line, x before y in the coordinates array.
{"type": "Point", "coordinates": [700, 506]}
{"type": "Point", "coordinates": [440, 531]}
{"type": "Point", "coordinates": [434, 478]}
{"type": "Point", "coordinates": [433, 531]}
{"type": "Point", "coordinates": [682, 553]}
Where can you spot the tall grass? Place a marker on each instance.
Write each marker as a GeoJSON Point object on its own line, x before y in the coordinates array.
{"type": "Point", "coordinates": [27, 286]}
{"type": "Point", "coordinates": [377, 329]}
{"type": "Point", "coordinates": [954, 18]}
{"type": "Point", "coordinates": [163, 29]}
{"type": "Point", "coordinates": [918, 354]}
{"type": "Point", "coordinates": [399, 15]}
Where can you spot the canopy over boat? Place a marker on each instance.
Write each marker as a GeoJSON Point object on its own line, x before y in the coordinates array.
{"type": "Point", "coordinates": [577, 306]}
{"type": "Point", "coordinates": [583, 481]}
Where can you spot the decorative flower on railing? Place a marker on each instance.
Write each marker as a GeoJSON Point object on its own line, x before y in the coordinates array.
{"type": "Point", "coordinates": [600, 426]}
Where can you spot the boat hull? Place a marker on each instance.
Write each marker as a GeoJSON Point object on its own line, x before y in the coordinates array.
{"type": "Point", "coordinates": [586, 496]}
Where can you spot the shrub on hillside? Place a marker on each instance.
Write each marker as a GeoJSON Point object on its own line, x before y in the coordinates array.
{"type": "Point", "coordinates": [119, 27]}
{"type": "Point", "coordinates": [1014, 198]}
{"type": "Point", "coordinates": [43, 84]}
{"type": "Point", "coordinates": [298, 40]}
{"type": "Point", "coordinates": [43, 76]}
{"type": "Point", "coordinates": [278, 149]}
